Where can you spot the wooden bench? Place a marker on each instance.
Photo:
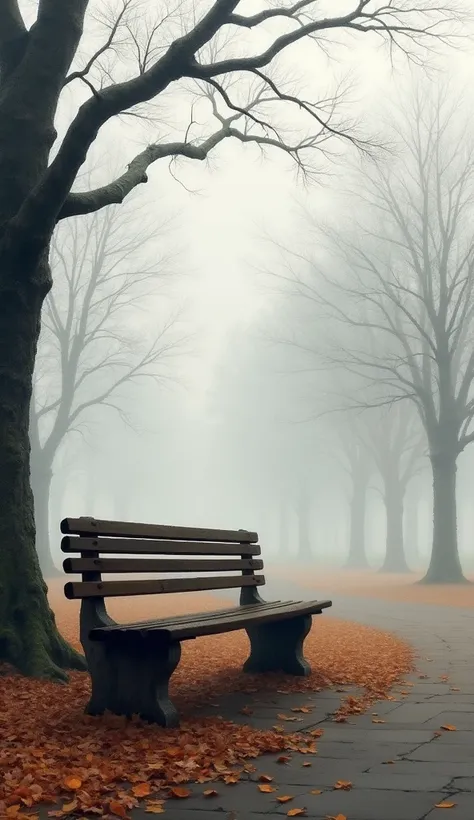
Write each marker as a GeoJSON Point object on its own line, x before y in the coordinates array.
{"type": "Point", "coordinates": [131, 664]}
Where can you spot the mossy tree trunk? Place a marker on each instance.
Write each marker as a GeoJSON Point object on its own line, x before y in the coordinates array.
{"type": "Point", "coordinates": [29, 639]}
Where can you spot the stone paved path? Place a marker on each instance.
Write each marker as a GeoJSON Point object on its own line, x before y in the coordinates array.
{"type": "Point", "coordinates": [426, 769]}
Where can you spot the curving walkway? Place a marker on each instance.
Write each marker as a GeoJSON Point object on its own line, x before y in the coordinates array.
{"type": "Point", "coordinates": [424, 769]}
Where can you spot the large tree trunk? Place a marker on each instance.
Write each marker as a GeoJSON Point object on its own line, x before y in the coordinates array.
{"type": "Point", "coordinates": [357, 557]}
{"type": "Point", "coordinates": [445, 566]}
{"type": "Point", "coordinates": [29, 639]}
{"type": "Point", "coordinates": [395, 560]}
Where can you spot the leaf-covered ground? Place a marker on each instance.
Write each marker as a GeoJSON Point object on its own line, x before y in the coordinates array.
{"type": "Point", "coordinates": [51, 751]}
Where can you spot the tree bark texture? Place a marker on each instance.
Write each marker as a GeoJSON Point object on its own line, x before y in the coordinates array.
{"type": "Point", "coordinates": [29, 639]}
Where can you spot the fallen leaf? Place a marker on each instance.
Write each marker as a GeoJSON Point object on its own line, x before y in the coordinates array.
{"type": "Point", "coordinates": [246, 710]}
{"type": "Point", "coordinates": [141, 789]}
{"type": "Point", "coordinates": [285, 798]}
{"type": "Point", "coordinates": [210, 793]}
{"type": "Point", "coordinates": [178, 791]}
{"type": "Point", "coordinates": [454, 689]}
{"type": "Point", "coordinates": [288, 717]}
{"type": "Point", "coordinates": [117, 808]}
{"type": "Point", "coordinates": [449, 728]}
{"type": "Point", "coordinates": [72, 783]}
{"type": "Point", "coordinates": [306, 709]}
{"type": "Point", "coordinates": [337, 817]}
{"type": "Point", "coordinates": [343, 784]}
{"type": "Point", "coordinates": [69, 807]}
{"type": "Point", "coordinates": [307, 764]}
{"type": "Point", "coordinates": [377, 720]}
{"type": "Point", "coordinates": [266, 788]}
{"type": "Point", "coordinates": [154, 807]}
{"type": "Point", "coordinates": [295, 812]}
{"type": "Point", "coordinates": [283, 759]}
{"type": "Point", "coordinates": [265, 778]}
{"type": "Point", "coordinates": [316, 732]}
{"type": "Point", "coordinates": [445, 805]}
{"type": "Point", "coordinates": [316, 791]}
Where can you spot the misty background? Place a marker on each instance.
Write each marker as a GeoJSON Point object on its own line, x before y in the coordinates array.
{"type": "Point", "coordinates": [205, 397]}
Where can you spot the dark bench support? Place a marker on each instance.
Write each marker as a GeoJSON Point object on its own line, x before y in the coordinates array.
{"type": "Point", "coordinates": [129, 677]}
{"type": "Point", "coordinates": [131, 664]}
{"type": "Point", "coordinates": [278, 646]}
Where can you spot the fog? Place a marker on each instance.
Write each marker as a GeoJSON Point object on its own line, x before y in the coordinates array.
{"type": "Point", "coordinates": [245, 416]}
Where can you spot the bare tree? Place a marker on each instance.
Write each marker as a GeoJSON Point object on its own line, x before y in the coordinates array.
{"type": "Point", "coordinates": [106, 269]}
{"type": "Point", "coordinates": [404, 290]}
{"type": "Point", "coordinates": [36, 65]}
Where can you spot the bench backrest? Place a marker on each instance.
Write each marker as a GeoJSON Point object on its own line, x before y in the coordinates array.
{"type": "Point", "coordinates": [93, 539]}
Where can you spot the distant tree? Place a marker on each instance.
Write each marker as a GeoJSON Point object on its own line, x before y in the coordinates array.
{"type": "Point", "coordinates": [396, 444]}
{"type": "Point", "coordinates": [93, 343]}
{"type": "Point", "coordinates": [404, 290]}
{"type": "Point", "coordinates": [138, 61]}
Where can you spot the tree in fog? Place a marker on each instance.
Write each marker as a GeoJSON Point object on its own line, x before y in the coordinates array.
{"type": "Point", "coordinates": [396, 445]}
{"type": "Point", "coordinates": [93, 343]}
{"type": "Point", "coordinates": [406, 280]}
{"type": "Point", "coordinates": [138, 61]}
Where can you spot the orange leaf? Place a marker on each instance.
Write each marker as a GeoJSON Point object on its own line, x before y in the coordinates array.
{"type": "Point", "coordinates": [285, 798]}
{"type": "Point", "coordinates": [307, 764]}
{"type": "Point", "coordinates": [265, 778]}
{"type": "Point", "coordinates": [265, 787]}
{"type": "Point", "coordinates": [337, 817]}
{"type": "Point", "coordinates": [178, 791]}
{"type": "Point", "coordinates": [287, 717]}
{"type": "Point", "coordinates": [69, 807]}
{"type": "Point", "coordinates": [72, 783]}
{"type": "Point", "coordinates": [295, 812]}
{"type": "Point", "coordinates": [445, 805]}
{"type": "Point", "coordinates": [449, 728]}
{"type": "Point", "coordinates": [210, 793]}
{"type": "Point", "coordinates": [117, 808]}
{"type": "Point", "coordinates": [283, 759]}
{"type": "Point", "coordinates": [316, 732]}
{"type": "Point", "coordinates": [343, 784]}
{"type": "Point", "coordinates": [154, 807]}
{"type": "Point", "coordinates": [141, 789]}
{"type": "Point", "coordinates": [306, 709]}
{"type": "Point", "coordinates": [316, 791]}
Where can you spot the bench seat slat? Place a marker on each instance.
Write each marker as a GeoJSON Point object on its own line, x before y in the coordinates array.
{"type": "Point", "coordinates": [78, 565]}
{"type": "Point", "coordinates": [142, 546]}
{"type": "Point", "coordinates": [227, 621]}
{"type": "Point", "coordinates": [93, 526]}
{"type": "Point", "coordinates": [114, 589]}
{"type": "Point", "coordinates": [161, 623]}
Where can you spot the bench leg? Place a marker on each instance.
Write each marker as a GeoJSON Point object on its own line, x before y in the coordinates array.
{"type": "Point", "coordinates": [133, 680]}
{"type": "Point", "coordinates": [278, 646]}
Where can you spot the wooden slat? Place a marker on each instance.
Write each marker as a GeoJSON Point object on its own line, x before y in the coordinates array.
{"type": "Point", "coordinates": [141, 546]}
{"type": "Point", "coordinates": [113, 589]}
{"type": "Point", "coordinates": [118, 565]}
{"type": "Point", "coordinates": [164, 623]}
{"type": "Point", "coordinates": [91, 526]}
{"type": "Point", "coordinates": [225, 621]}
